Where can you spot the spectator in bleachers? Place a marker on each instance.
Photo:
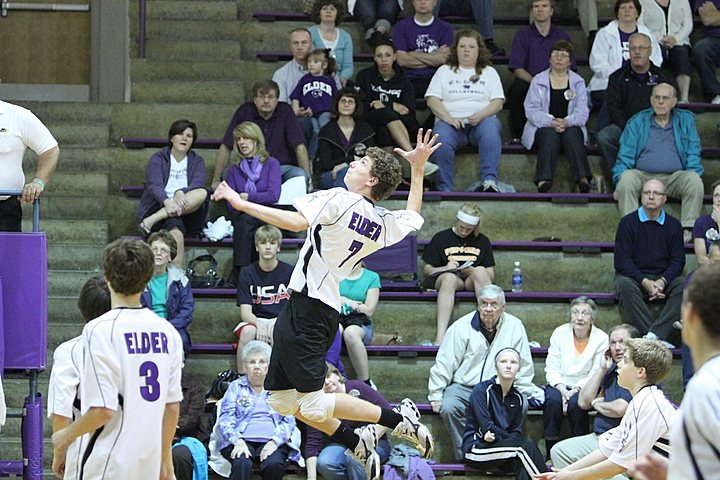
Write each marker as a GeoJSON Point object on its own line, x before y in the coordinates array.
{"type": "Point", "coordinates": [250, 430]}
{"type": "Point", "coordinates": [661, 142]}
{"type": "Point", "coordinates": [188, 452]}
{"type": "Point", "coordinates": [671, 22]}
{"type": "Point", "coordinates": [262, 290]}
{"type": "Point", "coordinates": [376, 17]}
{"type": "Point", "coordinates": [611, 51]}
{"type": "Point", "coordinates": [174, 198]}
{"type": "Point", "coordinates": [628, 92]}
{"type": "Point", "coordinates": [288, 76]}
{"type": "Point", "coordinates": [63, 404]}
{"type": "Point", "coordinates": [344, 138]}
{"type": "Point", "coordinates": [557, 110]}
{"type": "Point", "coordinates": [706, 51]}
{"type": "Point", "coordinates": [577, 349]}
{"type": "Point", "coordinates": [280, 127]}
{"type": "Point", "coordinates": [22, 129]}
{"type": "Point", "coordinates": [389, 101]}
{"type": "Point", "coordinates": [481, 11]}
{"type": "Point", "coordinates": [423, 44]}
{"type": "Point", "coordinates": [312, 97]}
{"type": "Point", "coordinates": [529, 56]}
{"type": "Point", "coordinates": [602, 394]}
{"type": "Point", "coordinates": [702, 236]}
{"type": "Point", "coordinates": [465, 95]}
{"type": "Point", "coordinates": [327, 15]}
{"type": "Point", "coordinates": [461, 361]}
{"type": "Point", "coordinates": [326, 456]}
{"type": "Point", "coordinates": [587, 14]}
{"type": "Point", "coordinates": [495, 417]}
{"type": "Point", "coordinates": [649, 260]}
{"type": "Point", "coordinates": [359, 293]}
{"type": "Point", "coordinates": [450, 249]}
{"type": "Point", "coordinates": [169, 293]}
{"type": "Point", "coordinates": [256, 177]}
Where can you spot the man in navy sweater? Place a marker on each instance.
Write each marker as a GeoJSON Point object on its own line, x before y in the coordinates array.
{"type": "Point", "coordinates": [649, 260]}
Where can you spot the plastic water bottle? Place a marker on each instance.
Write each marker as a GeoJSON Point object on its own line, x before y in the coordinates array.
{"type": "Point", "coordinates": [517, 278]}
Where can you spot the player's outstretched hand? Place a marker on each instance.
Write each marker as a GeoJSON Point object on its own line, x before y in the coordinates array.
{"type": "Point", "coordinates": [426, 144]}
{"type": "Point", "coordinates": [224, 192]}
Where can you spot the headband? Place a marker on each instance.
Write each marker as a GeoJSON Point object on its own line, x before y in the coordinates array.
{"type": "Point", "coordinates": [467, 218]}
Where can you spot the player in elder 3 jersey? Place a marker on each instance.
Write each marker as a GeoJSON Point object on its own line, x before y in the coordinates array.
{"type": "Point", "coordinates": [130, 381]}
{"type": "Point", "coordinates": [343, 227]}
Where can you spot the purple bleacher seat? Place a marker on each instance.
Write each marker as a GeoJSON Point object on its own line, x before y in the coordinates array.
{"type": "Point", "coordinates": [397, 265]}
{"type": "Point", "coordinates": [157, 142]}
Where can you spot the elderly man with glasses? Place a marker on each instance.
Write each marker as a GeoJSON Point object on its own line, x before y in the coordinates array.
{"type": "Point", "coordinates": [661, 142]}
{"type": "Point", "coordinates": [467, 357]}
{"type": "Point", "coordinates": [649, 260]}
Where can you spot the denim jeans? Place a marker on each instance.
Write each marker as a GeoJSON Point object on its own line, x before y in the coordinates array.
{"type": "Point", "coordinates": [706, 55]}
{"type": "Point", "coordinates": [370, 11]}
{"type": "Point", "coordinates": [480, 10]}
{"type": "Point", "coordinates": [486, 136]}
{"type": "Point", "coordinates": [333, 464]}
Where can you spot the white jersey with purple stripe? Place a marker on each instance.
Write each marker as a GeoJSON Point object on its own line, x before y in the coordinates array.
{"type": "Point", "coordinates": [345, 227]}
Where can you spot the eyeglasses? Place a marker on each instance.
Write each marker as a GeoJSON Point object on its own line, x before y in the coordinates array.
{"type": "Point", "coordinates": [163, 250]}
{"type": "Point", "coordinates": [557, 54]}
{"type": "Point", "coordinates": [580, 313]}
{"type": "Point", "coordinates": [489, 305]}
{"type": "Point", "coordinates": [653, 193]}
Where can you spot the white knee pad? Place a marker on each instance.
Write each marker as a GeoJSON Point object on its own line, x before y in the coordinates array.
{"type": "Point", "coordinates": [285, 402]}
{"type": "Point", "coordinates": [317, 406]}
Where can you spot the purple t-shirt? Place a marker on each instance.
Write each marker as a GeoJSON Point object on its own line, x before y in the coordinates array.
{"type": "Point", "coordinates": [282, 130]}
{"type": "Point", "coordinates": [702, 225]}
{"type": "Point", "coordinates": [625, 45]}
{"type": "Point", "coordinates": [408, 36]}
{"type": "Point", "coordinates": [315, 93]}
{"type": "Point", "coordinates": [708, 31]}
{"type": "Point", "coordinates": [531, 51]}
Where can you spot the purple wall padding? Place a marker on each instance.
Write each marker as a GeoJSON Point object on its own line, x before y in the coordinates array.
{"type": "Point", "coordinates": [23, 269]}
{"type": "Point", "coordinates": [11, 467]}
{"type": "Point", "coordinates": [32, 438]}
{"type": "Point", "coordinates": [2, 332]}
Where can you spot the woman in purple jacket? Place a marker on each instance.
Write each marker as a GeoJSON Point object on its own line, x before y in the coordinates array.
{"type": "Point", "coordinates": [256, 177]}
{"type": "Point", "coordinates": [174, 198]}
{"type": "Point", "coordinates": [556, 110]}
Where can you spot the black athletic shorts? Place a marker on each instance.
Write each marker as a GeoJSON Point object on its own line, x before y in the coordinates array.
{"type": "Point", "coordinates": [10, 215]}
{"type": "Point", "coordinates": [304, 331]}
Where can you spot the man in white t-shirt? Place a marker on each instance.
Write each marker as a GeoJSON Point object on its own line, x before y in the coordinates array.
{"type": "Point", "coordinates": [694, 436]}
{"type": "Point", "coordinates": [20, 129]}
{"type": "Point", "coordinates": [131, 388]}
{"type": "Point", "coordinates": [647, 421]}
{"type": "Point", "coordinates": [343, 228]}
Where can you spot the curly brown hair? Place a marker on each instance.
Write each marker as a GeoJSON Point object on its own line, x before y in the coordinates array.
{"type": "Point", "coordinates": [319, 4]}
{"type": "Point", "coordinates": [483, 59]}
{"type": "Point", "coordinates": [128, 266]}
{"type": "Point", "coordinates": [386, 168]}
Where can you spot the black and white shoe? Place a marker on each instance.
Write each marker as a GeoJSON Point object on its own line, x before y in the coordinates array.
{"type": "Point", "coordinates": [411, 429]}
{"type": "Point", "coordinates": [365, 451]}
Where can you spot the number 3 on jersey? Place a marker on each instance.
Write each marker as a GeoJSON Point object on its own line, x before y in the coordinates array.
{"type": "Point", "coordinates": [354, 248]}
{"type": "Point", "coordinates": [151, 390]}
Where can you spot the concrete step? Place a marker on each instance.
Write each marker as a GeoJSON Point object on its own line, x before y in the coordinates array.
{"type": "Point", "coordinates": [169, 91]}
{"type": "Point", "coordinates": [79, 112]}
{"type": "Point", "coordinates": [71, 232]}
{"type": "Point", "coordinates": [198, 50]}
{"type": "Point", "coordinates": [75, 257]}
{"type": "Point", "coordinates": [82, 134]}
{"type": "Point", "coordinates": [178, 10]}
{"type": "Point", "coordinates": [144, 69]}
{"type": "Point", "coordinates": [74, 159]}
{"type": "Point", "coordinates": [65, 207]}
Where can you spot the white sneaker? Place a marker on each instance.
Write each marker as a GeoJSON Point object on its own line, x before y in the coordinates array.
{"type": "Point", "coordinates": [429, 169]}
{"type": "Point", "coordinates": [365, 451]}
{"type": "Point", "coordinates": [411, 428]}
{"type": "Point", "coordinates": [715, 100]}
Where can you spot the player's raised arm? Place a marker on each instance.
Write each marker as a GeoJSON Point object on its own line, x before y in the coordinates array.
{"type": "Point", "coordinates": [292, 221]}
{"type": "Point", "coordinates": [425, 146]}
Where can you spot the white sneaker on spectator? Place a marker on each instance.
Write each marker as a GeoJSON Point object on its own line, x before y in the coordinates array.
{"type": "Point", "coordinates": [365, 451]}
{"type": "Point", "coordinates": [411, 428]}
{"type": "Point", "coordinates": [430, 168]}
{"type": "Point", "coordinates": [715, 100]}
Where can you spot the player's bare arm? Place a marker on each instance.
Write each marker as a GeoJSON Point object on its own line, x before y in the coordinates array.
{"type": "Point", "coordinates": [292, 221]}
{"type": "Point", "coordinates": [93, 419]}
{"type": "Point", "coordinates": [169, 424]}
{"type": "Point", "coordinates": [426, 144]}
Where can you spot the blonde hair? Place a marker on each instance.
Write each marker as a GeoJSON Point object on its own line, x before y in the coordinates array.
{"type": "Point", "coordinates": [475, 211]}
{"type": "Point", "coordinates": [652, 355]}
{"type": "Point", "coordinates": [252, 131]}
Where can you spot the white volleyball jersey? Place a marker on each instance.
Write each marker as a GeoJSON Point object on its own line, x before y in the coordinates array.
{"type": "Point", "coordinates": [133, 361]}
{"type": "Point", "coordinates": [64, 396]}
{"type": "Point", "coordinates": [345, 227]}
{"type": "Point", "coordinates": [644, 427]}
{"type": "Point", "coordinates": [694, 436]}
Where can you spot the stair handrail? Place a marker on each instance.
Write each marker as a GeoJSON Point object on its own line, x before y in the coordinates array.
{"type": "Point", "coordinates": [36, 206]}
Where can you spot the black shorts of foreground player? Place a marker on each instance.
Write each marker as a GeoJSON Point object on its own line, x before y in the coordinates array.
{"type": "Point", "coordinates": [344, 227]}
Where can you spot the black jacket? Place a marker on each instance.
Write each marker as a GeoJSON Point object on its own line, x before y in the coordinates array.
{"type": "Point", "coordinates": [331, 150]}
{"type": "Point", "coordinates": [626, 96]}
{"type": "Point", "coordinates": [372, 87]}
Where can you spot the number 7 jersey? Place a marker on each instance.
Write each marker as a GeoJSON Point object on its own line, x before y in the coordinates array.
{"type": "Point", "coordinates": [132, 365]}
{"type": "Point", "coordinates": [345, 227]}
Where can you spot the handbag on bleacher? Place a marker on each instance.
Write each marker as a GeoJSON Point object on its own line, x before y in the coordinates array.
{"type": "Point", "coordinates": [202, 272]}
